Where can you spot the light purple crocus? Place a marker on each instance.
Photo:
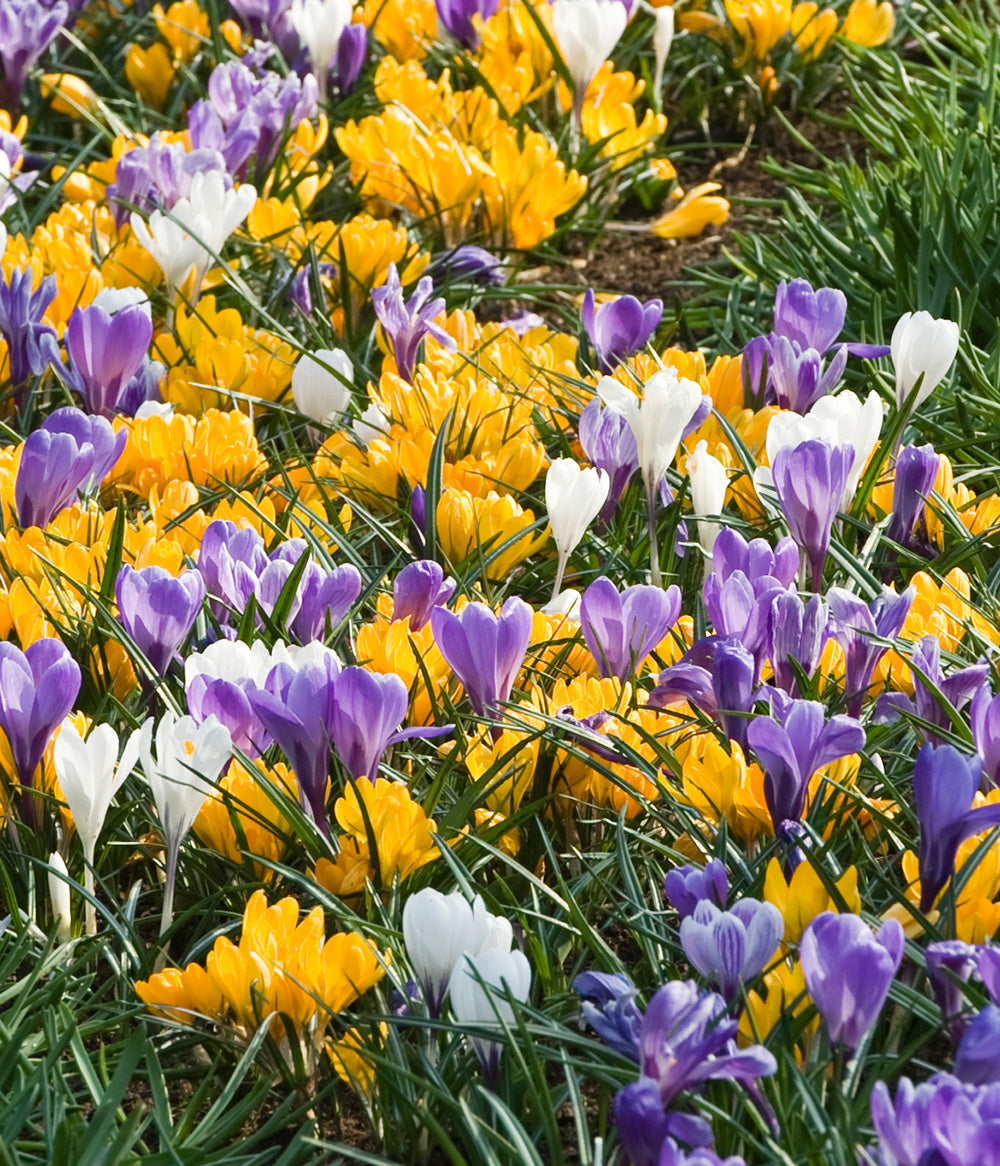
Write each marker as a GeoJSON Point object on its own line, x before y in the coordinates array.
{"type": "Point", "coordinates": [27, 28]}
{"type": "Point", "coordinates": [485, 651]}
{"type": "Point", "coordinates": [951, 964]}
{"type": "Point", "coordinates": [944, 783]}
{"type": "Point", "coordinates": [106, 350]}
{"type": "Point", "coordinates": [367, 710]}
{"type": "Point", "coordinates": [942, 1122]}
{"type": "Point", "coordinates": [686, 886]}
{"type": "Point", "coordinates": [323, 598]}
{"type": "Point", "coordinates": [70, 452]}
{"type": "Point", "coordinates": [792, 744]}
{"type": "Point", "coordinates": [977, 1058]}
{"type": "Point", "coordinates": [622, 628]}
{"type": "Point", "coordinates": [456, 16]}
{"type": "Point", "coordinates": [230, 561]}
{"type": "Point", "coordinates": [158, 610]}
{"type": "Point", "coordinates": [159, 175]}
{"type": "Point", "coordinates": [609, 443]}
{"type": "Point", "coordinates": [37, 689]}
{"type": "Point", "coordinates": [31, 343]}
{"type": "Point", "coordinates": [229, 702]}
{"type": "Point", "coordinates": [858, 627]}
{"type": "Point", "coordinates": [984, 715]}
{"type": "Point", "coordinates": [408, 322]}
{"type": "Point", "coordinates": [912, 482]}
{"type": "Point", "coordinates": [619, 328]}
{"type": "Point", "coordinates": [732, 947]}
{"type": "Point", "coordinates": [989, 971]}
{"type": "Point", "coordinates": [848, 970]}
{"type": "Point", "coordinates": [417, 590]}
{"type": "Point", "coordinates": [798, 377]}
{"type": "Point", "coordinates": [797, 632]}
{"type": "Point", "coordinates": [809, 480]}
{"type": "Point", "coordinates": [931, 686]}
{"type": "Point", "coordinates": [468, 263]}
{"type": "Point", "coordinates": [756, 560]}
{"type": "Point", "coordinates": [810, 318]}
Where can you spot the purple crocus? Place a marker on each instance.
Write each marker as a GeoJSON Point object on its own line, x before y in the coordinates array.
{"type": "Point", "coordinates": [367, 710]}
{"type": "Point", "coordinates": [158, 610]}
{"type": "Point", "coordinates": [37, 689]}
{"type": "Point", "coordinates": [407, 322]}
{"type": "Point", "coordinates": [687, 1038]}
{"type": "Point", "coordinates": [756, 560]}
{"type": "Point", "coordinates": [647, 1133]}
{"type": "Point", "coordinates": [323, 596]}
{"type": "Point", "coordinates": [950, 964]}
{"type": "Point", "coordinates": [944, 783]}
{"type": "Point", "coordinates": [809, 480]}
{"type": "Point", "coordinates": [27, 28]}
{"type": "Point", "coordinates": [931, 687]}
{"type": "Point", "coordinates": [417, 590]}
{"type": "Point", "coordinates": [619, 328]}
{"type": "Point", "coordinates": [811, 318]}
{"type": "Point", "coordinates": [67, 454]}
{"type": "Point", "coordinates": [470, 264]}
{"type": "Point", "coordinates": [622, 628]}
{"type": "Point", "coordinates": [686, 886]}
{"type": "Point", "coordinates": [755, 370]}
{"type": "Point", "coordinates": [229, 702]}
{"type": "Point", "coordinates": [941, 1122]}
{"type": "Point", "coordinates": [857, 627]}
{"type": "Point", "coordinates": [797, 375]}
{"type": "Point", "coordinates": [716, 675]}
{"type": "Point", "coordinates": [984, 715]}
{"type": "Point", "coordinates": [485, 651]}
{"type": "Point", "coordinates": [106, 350]}
{"type": "Point", "coordinates": [792, 744]}
{"type": "Point", "coordinates": [608, 1006]}
{"type": "Point", "coordinates": [989, 971]}
{"type": "Point", "coordinates": [797, 632]}
{"type": "Point", "coordinates": [457, 17]}
{"type": "Point", "coordinates": [609, 443]}
{"type": "Point", "coordinates": [230, 561]}
{"type": "Point", "coordinates": [913, 480]}
{"type": "Point", "coordinates": [31, 344]}
{"type": "Point", "coordinates": [734, 946]}
{"type": "Point", "coordinates": [159, 175]}
{"type": "Point", "coordinates": [977, 1058]}
{"type": "Point", "coordinates": [848, 970]}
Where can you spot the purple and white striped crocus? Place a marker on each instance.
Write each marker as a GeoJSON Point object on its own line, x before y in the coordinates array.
{"type": "Point", "coordinates": [797, 632]}
{"type": "Point", "coordinates": [609, 443]}
{"type": "Point", "coordinates": [622, 628]}
{"type": "Point", "coordinates": [408, 322]}
{"type": "Point", "coordinates": [731, 947]}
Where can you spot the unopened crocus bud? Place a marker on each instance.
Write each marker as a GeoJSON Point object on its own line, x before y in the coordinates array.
{"type": "Point", "coordinates": [321, 385]}
{"type": "Point", "coordinates": [950, 964]}
{"type": "Point", "coordinates": [923, 349]}
{"type": "Point", "coordinates": [69, 94]}
{"type": "Point", "coordinates": [663, 38]}
{"type": "Point", "coordinates": [709, 482]}
{"type": "Point", "coordinates": [574, 497]}
{"type": "Point", "coordinates": [913, 480]}
{"type": "Point", "coordinates": [586, 31]}
{"type": "Point", "coordinates": [59, 897]}
{"type": "Point", "coordinates": [796, 631]}
{"type": "Point", "coordinates": [609, 443]}
{"type": "Point", "coordinates": [418, 589]}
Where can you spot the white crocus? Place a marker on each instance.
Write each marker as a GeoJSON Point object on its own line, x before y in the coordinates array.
{"type": "Point", "coordinates": [371, 424]}
{"type": "Point", "coordinates": [59, 896]}
{"type": "Point", "coordinates": [663, 38]}
{"type": "Point", "coordinates": [321, 385]}
{"type": "Point", "coordinates": [658, 421]}
{"type": "Point", "coordinates": [574, 497]}
{"type": "Point", "coordinates": [924, 347]}
{"type": "Point", "coordinates": [709, 482]}
{"type": "Point", "coordinates": [189, 758]}
{"type": "Point", "coordinates": [438, 929]}
{"type": "Point", "coordinates": [478, 991]}
{"type": "Point", "coordinates": [185, 240]}
{"type": "Point", "coordinates": [320, 24]}
{"type": "Point", "coordinates": [586, 32]}
{"type": "Point", "coordinates": [566, 603]}
{"type": "Point", "coordinates": [113, 299]}
{"type": "Point", "coordinates": [840, 420]}
{"type": "Point", "coordinates": [90, 775]}
{"type": "Point", "coordinates": [235, 661]}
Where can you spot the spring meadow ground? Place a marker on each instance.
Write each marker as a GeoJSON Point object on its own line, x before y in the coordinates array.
{"type": "Point", "coordinates": [499, 553]}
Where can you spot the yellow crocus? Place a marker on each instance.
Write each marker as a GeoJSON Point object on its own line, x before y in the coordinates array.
{"type": "Point", "coordinates": [698, 208]}
{"type": "Point", "coordinates": [805, 895]}
{"type": "Point", "coordinates": [150, 72]}
{"type": "Point", "coordinates": [869, 23]}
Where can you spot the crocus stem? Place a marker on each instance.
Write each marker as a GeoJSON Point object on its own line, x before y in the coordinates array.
{"type": "Point", "coordinates": [654, 547]}
{"type": "Point", "coordinates": [90, 912]}
{"type": "Point", "coordinates": [560, 571]}
{"type": "Point", "coordinates": [168, 888]}
{"type": "Point", "coordinates": [576, 126]}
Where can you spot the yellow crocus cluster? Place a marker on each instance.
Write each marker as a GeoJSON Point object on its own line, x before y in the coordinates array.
{"type": "Point", "coordinates": [762, 24]}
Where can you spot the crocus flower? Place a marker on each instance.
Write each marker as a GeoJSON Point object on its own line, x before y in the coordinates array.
{"type": "Point", "coordinates": [586, 31]}
{"type": "Point", "coordinates": [439, 929]}
{"type": "Point", "coordinates": [573, 497]}
{"type": "Point", "coordinates": [984, 715]}
{"type": "Point", "coordinates": [66, 455]}
{"type": "Point", "coordinates": [797, 632]}
{"type": "Point", "coordinates": [230, 561]}
{"type": "Point", "coordinates": [989, 971]}
{"type": "Point", "coordinates": [457, 17]}
{"type": "Point", "coordinates": [756, 560]}
{"type": "Point", "coordinates": [663, 38]}
{"type": "Point", "coordinates": [848, 971]}
{"type": "Point", "coordinates": [687, 1038]}
{"type": "Point", "coordinates": [709, 482]}
{"type": "Point", "coordinates": [716, 675]}
{"type": "Point", "coordinates": [913, 480]}
{"type": "Point", "coordinates": [792, 744]}
{"type": "Point", "coordinates": [687, 886]}
{"type": "Point", "coordinates": [619, 327]}
{"type": "Point", "coordinates": [468, 263]}
{"type": "Point", "coordinates": [941, 1121]}
{"type": "Point", "coordinates": [408, 322]}
{"type": "Point", "coordinates": [944, 785]}
{"type": "Point", "coordinates": [950, 964]}
{"type": "Point", "coordinates": [622, 628]}
{"type": "Point", "coordinates": [62, 912]}
{"type": "Point", "coordinates": [320, 24]}
{"type": "Point", "coordinates": [809, 481]}
{"type": "Point", "coordinates": [798, 377]}
{"type": "Point", "coordinates": [417, 590]}
{"type": "Point", "coordinates": [669, 403]}
{"type": "Point", "coordinates": [27, 28]}
{"type": "Point", "coordinates": [90, 775]}
{"type": "Point", "coordinates": [812, 319]}
{"type": "Point", "coordinates": [38, 688]}
{"type": "Point", "coordinates": [323, 596]}
{"type": "Point", "coordinates": [484, 651]}
{"type": "Point", "coordinates": [189, 759]}
{"type": "Point", "coordinates": [608, 1006]}
{"type": "Point", "coordinates": [31, 343]}
{"type": "Point", "coordinates": [158, 610]}
{"type": "Point", "coordinates": [321, 385]}
{"type": "Point", "coordinates": [106, 349]}
{"type": "Point", "coordinates": [930, 684]}
{"type": "Point", "coordinates": [647, 1133]}
{"type": "Point", "coordinates": [734, 946]}
{"type": "Point", "coordinates": [478, 990]}
{"type": "Point", "coordinates": [609, 443]}
{"type": "Point", "coordinates": [857, 627]}
{"type": "Point", "coordinates": [923, 349]}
